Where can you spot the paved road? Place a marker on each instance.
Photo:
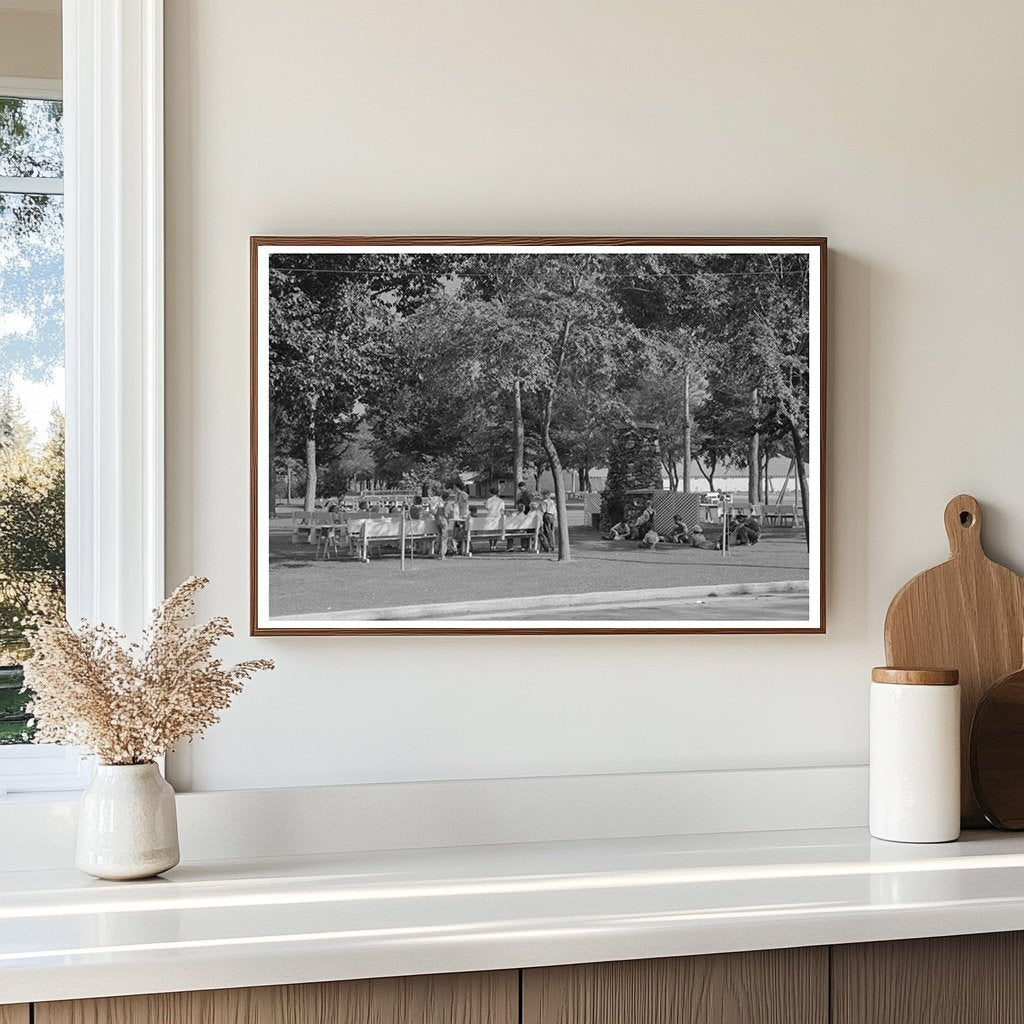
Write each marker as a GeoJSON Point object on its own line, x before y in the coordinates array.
{"type": "Point", "coordinates": [770, 606]}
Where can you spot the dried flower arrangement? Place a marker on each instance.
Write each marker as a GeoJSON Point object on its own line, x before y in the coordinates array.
{"type": "Point", "coordinates": [130, 703]}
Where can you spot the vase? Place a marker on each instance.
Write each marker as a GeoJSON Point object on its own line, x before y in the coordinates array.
{"type": "Point", "coordinates": [127, 825]}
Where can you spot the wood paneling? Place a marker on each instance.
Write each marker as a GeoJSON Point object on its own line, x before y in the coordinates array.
{"type": "Point", "coordinates": [963, 979]}
{"type": "Point", "coordinates": [14, 1014]}
{"type": "Point", "coordinates": [485, 998]}
{"type": "Point", "coordinates": [781, 986]}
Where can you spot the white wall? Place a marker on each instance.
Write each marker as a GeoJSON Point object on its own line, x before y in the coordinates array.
{"type": "Point", "coordinates": [895, 129]}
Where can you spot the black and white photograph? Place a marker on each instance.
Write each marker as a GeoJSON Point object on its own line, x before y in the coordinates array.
{"type": "Point", "coordinates": [537, 435]}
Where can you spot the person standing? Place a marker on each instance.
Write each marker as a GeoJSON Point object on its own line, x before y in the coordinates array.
{"type": "Point", "coordinates": [524, 504]}
{"type": "Point", "coordinates": [443, 515]}
{"type": "Point", "coordinates": [495, 506]}
{"type": "Point", "coordinates": [549, 513]}
{"type": "Point", "coordinates": [524, 499]}
{"type": "Point", "coordinates": [460, 528]}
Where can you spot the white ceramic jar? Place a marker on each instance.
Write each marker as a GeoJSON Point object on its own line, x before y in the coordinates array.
{"type": "Point", "coordinates": [915, 755]}
{"type": "Point", "coordinates": [127, 823]}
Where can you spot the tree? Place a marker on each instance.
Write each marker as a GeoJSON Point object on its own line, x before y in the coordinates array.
{"type": "Point", "coordinates": [585, 420]}
{"type": "Point", "coordinates": [526, 338]}
{"type": "Point", "coordinates": [324, 353]}
{"type": "Point", "coordinates": [768, 319]}
{"type": "Point", "coordinates": [31, 243]}
{"type": "Point", "coordinates": [673, 388]}
{"type": "Point", "coordinates": [724, 429]}
{"type": "Point", "coordinates": [432, 405]}
{"type": "Point", "coordinates": [563, 329]}
{"type": "Point", "coordinates": [669, 299]}
{"type": "Point", "coordinates": [331, 342]}
{"type": "Point", "coordinates": [31, 524]}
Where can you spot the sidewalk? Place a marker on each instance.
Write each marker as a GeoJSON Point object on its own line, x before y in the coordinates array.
{"type": "Point", "coordinates": [590, 605]}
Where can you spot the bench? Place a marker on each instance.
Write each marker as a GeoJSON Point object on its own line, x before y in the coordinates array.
{"type": "Point", "coordinates": [487, 527]}
{"type": "Point", "coordinates": [780, 515]}
{"type": "Point", "coordinates": [524, 524]}
{"type": "Point", "coordinates": [391, 530]}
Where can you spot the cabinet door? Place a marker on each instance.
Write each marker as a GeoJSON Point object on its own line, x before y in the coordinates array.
{"type": "Point", "coordinates": [490, 998]}
{"type": "Point", "coordinates": [779, 986]}
{"type": "Point", "coordinates": [962, 979]}
{"type": "Point", "coordinates": [14, 1014]}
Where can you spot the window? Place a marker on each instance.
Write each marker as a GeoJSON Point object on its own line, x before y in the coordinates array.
{"type": "Point", "coordinates": [111, 205]}
{"type": "Point", "coordinates": [32, 531]}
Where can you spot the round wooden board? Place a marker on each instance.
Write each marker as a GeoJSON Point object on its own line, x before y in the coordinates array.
{"type": "Point", "coordinates": [997, 752]}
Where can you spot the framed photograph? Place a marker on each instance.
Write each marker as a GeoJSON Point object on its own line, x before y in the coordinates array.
{"type": "Point", "coordinates": [537, 435]}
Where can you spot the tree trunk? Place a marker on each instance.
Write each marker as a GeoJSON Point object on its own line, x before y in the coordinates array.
{"type": "Point", "coordinates": [801, 478]}
{"type": "Point", "coordinates": [754, 457]}
{"type": "Point", "coordinates": [289, 469]}
{"type": "Point", "coordinates": [709, 473]}
{"type": "Point", "coordinates": [687, 431]}
{"type": "Point", "coordinates": [672, 472]}
{"type": "Point", "coordinates": [519, 455]}
{"type": "Point", "coordinates": [563, 517]}
{"type": "Point", "coordinates": [310, 503]}
{"type": "Point", "coordinates": [272, 496]}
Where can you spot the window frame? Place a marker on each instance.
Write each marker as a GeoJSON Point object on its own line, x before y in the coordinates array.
{"type": "Point", "coordinates": [112, 90]}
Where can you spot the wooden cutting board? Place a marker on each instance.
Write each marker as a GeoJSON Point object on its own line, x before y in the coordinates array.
{"type": "Point", "coordinates": [967, 614]}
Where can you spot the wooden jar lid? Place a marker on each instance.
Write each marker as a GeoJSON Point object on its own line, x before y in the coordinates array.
{"type": "Point", "coordinates": [916, 676]}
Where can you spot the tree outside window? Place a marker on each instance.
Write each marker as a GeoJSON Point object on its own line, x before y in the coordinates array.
{"type": "Point", "coordinates": [31, 385]}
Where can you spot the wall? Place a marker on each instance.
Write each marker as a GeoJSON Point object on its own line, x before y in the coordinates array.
{"type": "Point", "coordinates": [893, 129]}
{"type": "Point", "coordinates": [30, 43]}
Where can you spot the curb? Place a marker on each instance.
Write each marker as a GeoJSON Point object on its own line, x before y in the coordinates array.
{"type": "Point", "coordinates": [607, 598]}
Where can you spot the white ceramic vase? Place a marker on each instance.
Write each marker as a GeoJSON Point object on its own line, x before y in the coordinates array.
{"type": "Point", "coordinates": [127, 825]}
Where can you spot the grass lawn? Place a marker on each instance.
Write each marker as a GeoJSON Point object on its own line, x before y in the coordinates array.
{"type": "Point", "coordinates": [299, 584]}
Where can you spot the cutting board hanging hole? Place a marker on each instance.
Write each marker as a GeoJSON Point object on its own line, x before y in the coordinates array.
{"type": "Point", "coordinates": [963, 526]}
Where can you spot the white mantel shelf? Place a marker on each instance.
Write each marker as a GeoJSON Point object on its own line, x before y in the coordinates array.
{"type": "Point", "coordinates": [227, 924]}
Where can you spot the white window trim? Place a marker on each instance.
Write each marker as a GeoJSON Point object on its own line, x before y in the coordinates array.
{"type": "Point", "coordinates": [32, 88]}
{"type": "Point", "coordinates": [113, 169]}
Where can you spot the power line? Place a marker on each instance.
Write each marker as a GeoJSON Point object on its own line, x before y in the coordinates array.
{"type": "Point", "coordinates": [484, 274]}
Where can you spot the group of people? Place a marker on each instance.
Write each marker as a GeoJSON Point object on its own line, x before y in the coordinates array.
{"type": "Point", "coordinates": [743, 529]}
{"type": "Point", "coordinates": [451, 510]}
{"type": "Point", "coordinates": [548, 508]}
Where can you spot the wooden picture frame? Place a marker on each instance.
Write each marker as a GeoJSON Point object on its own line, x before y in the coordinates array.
{"type": "Point", "coordinates": [444, 324]}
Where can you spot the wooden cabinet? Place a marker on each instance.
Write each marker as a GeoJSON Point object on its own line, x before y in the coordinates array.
{"type": "Point", "coordinates": [967, 979]}
{"type": "Point", "coordinates": [779, 986]}
{"type": "Point", "coordinates": [962, 979]}
{"type": "Point", "coordinates": [491, 998]}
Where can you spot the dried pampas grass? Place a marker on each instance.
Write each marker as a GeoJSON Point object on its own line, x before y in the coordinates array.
{"type": "Point", "coordinates": [130, 703]}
